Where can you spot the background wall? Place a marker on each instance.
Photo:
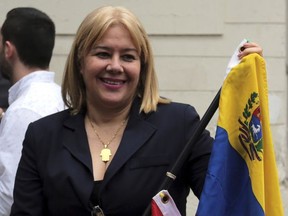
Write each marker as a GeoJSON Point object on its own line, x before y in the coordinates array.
{"type": "Point", "coordinates": [193, 41]}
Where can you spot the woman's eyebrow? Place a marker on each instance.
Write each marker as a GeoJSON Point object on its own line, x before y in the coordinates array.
{"type": "Point", "coordinates": [110, 49]}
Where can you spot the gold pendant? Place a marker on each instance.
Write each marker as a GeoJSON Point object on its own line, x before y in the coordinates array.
{"type": "Point", "coordinates": [105, 154]}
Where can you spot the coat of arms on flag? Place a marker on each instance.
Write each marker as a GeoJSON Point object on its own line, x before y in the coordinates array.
{"type": "Point", "coordinates": [250, 128]}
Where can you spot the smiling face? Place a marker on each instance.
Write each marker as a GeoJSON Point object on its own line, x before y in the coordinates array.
{"type": "Point", "coordinates": [111, 70]}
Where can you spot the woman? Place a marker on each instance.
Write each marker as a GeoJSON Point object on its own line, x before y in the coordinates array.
{"type": "Point", "coordinates": [111, 149]}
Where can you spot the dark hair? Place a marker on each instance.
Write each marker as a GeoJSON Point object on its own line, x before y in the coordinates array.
{"type": "Point", "coordinates": [33, 34]}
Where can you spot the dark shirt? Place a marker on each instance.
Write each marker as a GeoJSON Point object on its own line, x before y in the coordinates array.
{"type": "Point", "coordinates": [95, 193]}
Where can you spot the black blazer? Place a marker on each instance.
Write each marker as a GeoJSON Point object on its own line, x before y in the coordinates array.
{"type": "Point", "coordinates": [55, 176]}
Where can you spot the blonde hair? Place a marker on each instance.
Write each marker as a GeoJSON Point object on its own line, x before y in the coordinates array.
{"type": "Point", "coordinates": [89, 33]}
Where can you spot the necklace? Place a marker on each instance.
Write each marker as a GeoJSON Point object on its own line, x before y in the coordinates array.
{"type": "Point", "coordinates": [106, 152]}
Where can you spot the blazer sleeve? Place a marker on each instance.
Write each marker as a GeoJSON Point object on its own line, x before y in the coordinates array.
{"type": "Point", "coordinates": [199, 158]}
{"type": "Point", "coordinates": [28, 194]}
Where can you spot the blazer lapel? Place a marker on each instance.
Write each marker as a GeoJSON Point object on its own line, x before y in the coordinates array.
{"type": "Point", "coordinates": [75, 140]}
{"type": "Point", "coordinates": [136, 133]}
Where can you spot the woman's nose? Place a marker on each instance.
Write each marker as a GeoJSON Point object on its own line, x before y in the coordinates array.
{"type": "Point", "coordinates": [115, 65]}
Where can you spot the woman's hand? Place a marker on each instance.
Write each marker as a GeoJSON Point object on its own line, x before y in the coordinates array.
{"type": "Point", "coordinates": [249, 48]}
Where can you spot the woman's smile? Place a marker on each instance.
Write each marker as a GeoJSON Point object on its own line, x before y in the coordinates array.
{"type": "Point", "coordinates": [112, 83]}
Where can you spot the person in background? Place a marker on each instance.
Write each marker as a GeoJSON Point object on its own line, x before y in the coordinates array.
{"type": "Point", "coordinates": [26, 44]}
{"type": "Point", "coordinates": [4, 86]}
{"type": "Point", "coordinates": [110, 151]}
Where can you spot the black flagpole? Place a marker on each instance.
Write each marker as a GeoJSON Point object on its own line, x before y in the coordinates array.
{"type": "Point", "coordinates": [170, 176]}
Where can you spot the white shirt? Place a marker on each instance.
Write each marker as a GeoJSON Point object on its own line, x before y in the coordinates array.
{"type": "Point", "coordinates": [34, 96]}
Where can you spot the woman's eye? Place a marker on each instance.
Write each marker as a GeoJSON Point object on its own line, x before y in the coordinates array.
{"type": "Point", "coordinates": [103, 55]}
{"type": "Point", "coordinates": [128, 58]}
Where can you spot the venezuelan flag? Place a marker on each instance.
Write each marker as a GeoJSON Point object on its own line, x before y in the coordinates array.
{"type": "Point", "coordinates": [242, 177]}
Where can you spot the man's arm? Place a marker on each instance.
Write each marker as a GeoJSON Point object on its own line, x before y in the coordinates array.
{"type": "Point", "coordinates": [12, 131]}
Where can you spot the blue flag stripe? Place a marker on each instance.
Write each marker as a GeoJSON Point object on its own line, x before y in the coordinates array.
{"type": "Point", "coordinates": [227, 183]}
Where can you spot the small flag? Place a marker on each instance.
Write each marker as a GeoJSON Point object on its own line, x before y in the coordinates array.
{"type": "Point", "coordinates": [163, 205]}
